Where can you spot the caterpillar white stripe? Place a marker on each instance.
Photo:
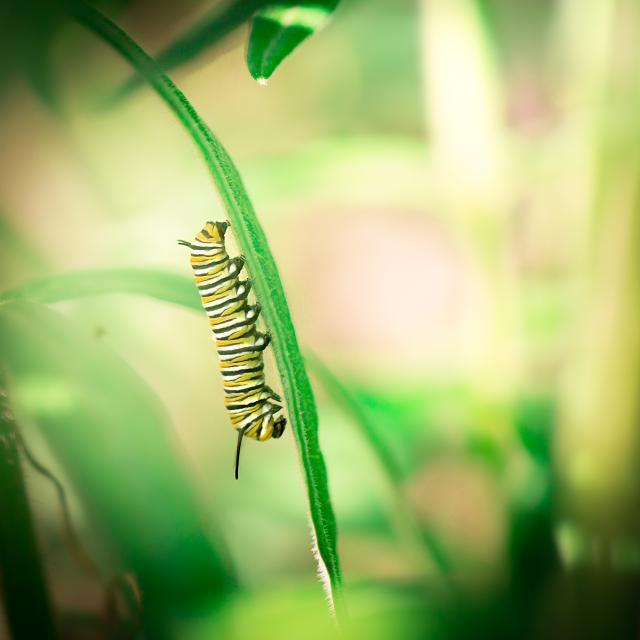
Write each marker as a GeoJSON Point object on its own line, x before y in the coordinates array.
{"type": "Point", "coordinates": [251, 404]}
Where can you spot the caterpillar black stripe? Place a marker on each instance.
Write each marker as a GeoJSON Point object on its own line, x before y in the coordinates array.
{"type": "Point", "coordinates": [251, 404]}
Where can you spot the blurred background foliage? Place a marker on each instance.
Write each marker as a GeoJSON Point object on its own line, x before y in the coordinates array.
{"type": "Point", "coordinates": [450, 189]}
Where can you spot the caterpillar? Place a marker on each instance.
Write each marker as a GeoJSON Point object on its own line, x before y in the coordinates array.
{"type": "Point", "coordinates": [251, 404]}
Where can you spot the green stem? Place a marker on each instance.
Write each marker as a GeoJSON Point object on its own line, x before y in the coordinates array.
{"type": "Point", "coordinates": [265, 279]}
{"type": "Point", "coordinates": [27, 606]}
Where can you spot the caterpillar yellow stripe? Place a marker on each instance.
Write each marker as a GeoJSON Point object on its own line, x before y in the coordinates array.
{"type": "Point", "coordinates": [251, 404]}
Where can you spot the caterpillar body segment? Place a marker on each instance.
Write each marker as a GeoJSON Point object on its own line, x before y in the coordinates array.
{"type": "Point", "coordinates": [251, 404]}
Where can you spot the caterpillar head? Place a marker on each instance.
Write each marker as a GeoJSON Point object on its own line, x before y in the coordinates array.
{"type": "Point", "coordinates": [215, 230]}
{"type": "Point", "coordinates": [278, 426]}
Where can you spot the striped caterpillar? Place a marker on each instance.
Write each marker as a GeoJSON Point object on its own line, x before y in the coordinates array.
{"type": "Point", "coordinates": [251, 404]}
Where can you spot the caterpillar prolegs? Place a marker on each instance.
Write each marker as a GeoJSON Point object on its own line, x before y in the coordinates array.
{"type": "Point", "coordinates": [252, 405]}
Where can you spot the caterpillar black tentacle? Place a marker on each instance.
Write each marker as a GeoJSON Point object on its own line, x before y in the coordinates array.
{"type": "Point", "coordinates": [251, 404]}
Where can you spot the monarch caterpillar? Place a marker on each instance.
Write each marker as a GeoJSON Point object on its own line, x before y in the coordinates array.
{"type": "Point", "coordinates": [251, 404]}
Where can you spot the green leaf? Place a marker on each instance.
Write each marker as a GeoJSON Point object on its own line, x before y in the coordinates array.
{"type": "Point", "coordinates": [162, 285]}
{"type": "Point", "coordinates": [22, 582]}
{"type": "Point", "coordinates": [279, 28]}
{"type": "Point", "coordinates": [116, 444]}
{"type": "Point", "coordinates": [266, 284]}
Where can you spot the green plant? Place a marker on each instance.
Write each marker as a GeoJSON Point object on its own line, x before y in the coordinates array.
{"type": "Point", "coordinates": [451, 196]}
{"type": "Point", "coordinates": [276, 30]}
{"type": "Point", "coordinates": [266, 283]}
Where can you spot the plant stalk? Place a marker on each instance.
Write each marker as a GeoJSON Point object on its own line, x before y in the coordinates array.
{"type": "Point", "coordinates": [27, 607]}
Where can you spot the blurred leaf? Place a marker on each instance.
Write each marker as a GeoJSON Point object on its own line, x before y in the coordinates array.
{"type": "Point", "coordinates": [17, 250]}
{"type": "Point", "coordinates": [279, 28]}
{"type": "Point", "coordinates": [25, 599]}
{"type": "Point", "coordinates": [161, 285]}
{"type": "Point", "coordinates": [73, 542]}
{"type": "Point", "coordinates": [266, 284]}
{"type": "Point", "coordinates": [460, 69]}
{"type": "Point", "coordinates": [487, 448]}
{"type": "Point", "coordinates": [362, 417]}
{"type": "Point", "coordinates": [372, 434]}
{"type": "Point", "coordinates": [516, 29]}
{"type": "Point", "coordinates": [597, 444]}
{"type": "Point", "coordinates": [114, 439]}
{"type": "Point", "coordinates": [535, 417]}
{"type": "Point", "coordinates": [531, 546]}
{"type": "Point", "coordinates": [27, 28]}
{"type": "Point", "coordinates": [208, 31]}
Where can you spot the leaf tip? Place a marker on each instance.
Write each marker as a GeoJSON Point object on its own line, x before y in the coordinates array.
{"type": "Point", "coordinates": [277, 29]}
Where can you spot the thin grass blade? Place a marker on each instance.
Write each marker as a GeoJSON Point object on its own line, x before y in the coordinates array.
{"type": "Point", "coordinates": [154, 283]}
{"type": "Point", "coordinates": [420, 537]}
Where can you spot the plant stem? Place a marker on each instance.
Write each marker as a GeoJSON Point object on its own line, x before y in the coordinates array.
{"type": "Point", "coordinates": [28, 610]}
{"type": "Point", "coordinates": [265, 279]}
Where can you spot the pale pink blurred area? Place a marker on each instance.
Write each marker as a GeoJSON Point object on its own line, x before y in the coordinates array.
{"type": "Point", "coordinates": [384, 289]}
{"type": "Point", "coordinates": [41, 195]}
{"type": "Point", "coordinates": [462, 500]}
